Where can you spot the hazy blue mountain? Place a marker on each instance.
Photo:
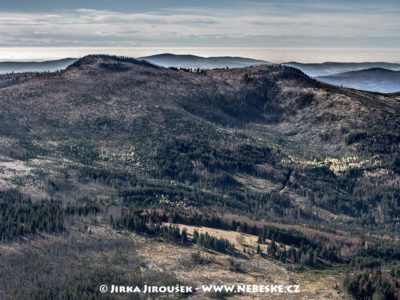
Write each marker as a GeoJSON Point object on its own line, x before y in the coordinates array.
{"type": "Point", "coordinates": [374, 80]}
{"type": "Point", "coordinates": [330, 68]}
{"type": "Point", "coordinates": [31, 66]}
{"type": "Point", "coordinates": [192, 61]}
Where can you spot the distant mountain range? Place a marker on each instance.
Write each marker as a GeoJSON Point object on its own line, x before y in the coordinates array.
{"type": "Point", "coordinates": [330, 68]}
{"type": "Point", "coordinates": [164, 60]}
{"type": "Point", "coordinates": [374, 80]}
{"type": "Point", "coordinates": [370, 76]}
{"type": "Point", "coordinates": [194, 62]}
{"type": "Point", "coordinates": [31, 66]}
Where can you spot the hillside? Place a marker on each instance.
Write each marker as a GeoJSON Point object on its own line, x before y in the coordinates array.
{"type": "Point", "coordinates": [309, 170]}
{"type": "Point", "coordinates": [374, 80]}
{"type": "Point", "coordinates": [267, 127]}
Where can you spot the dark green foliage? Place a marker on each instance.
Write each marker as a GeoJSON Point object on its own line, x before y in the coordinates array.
{"type": "Point", "coordinates": [132, 220]}
{"type": "Point", "coordinates": [175, 160]}
{"type": "Point", "coordinates": [83, 151]}
{"type": "Point", "coordinates": [371, 284]}
{"type": "Point", "coordinates": [375, 273]}
{"type": "Point", "coordinates": [82, 209]}
{"type": "Point", "coordinates": [304, 100]}
{"type": "Point", "coordinates": [246, 78]}
{"type": "Point", "coordinates": [356, 137]}
{"type": "Point", "coordinates": [144, 195]}
{"type": "Point", "coordinates": [283, 236]}
{"type": "Point", "coordinates": [384, 250]}
{"type": "Point", "coordinates": [67, 270]}
{"type": "Point", "coordinates": [113, 177]}
{"type": "Point", "coordinates": [396, 165]}
{"type": "Point", "coordinates": [114, 67]}
{"type": "Point", "coordinates": [395, 271]}
{"type": "Point", "coordinates": [361, 262]}
{"type": "Point", "coordinates": [20, 217]}
{"type": "Point", "coordinates": [218, 244]}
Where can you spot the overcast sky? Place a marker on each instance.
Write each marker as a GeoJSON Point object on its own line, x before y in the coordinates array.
{"type": "Point", "coordinates": [189, 23]}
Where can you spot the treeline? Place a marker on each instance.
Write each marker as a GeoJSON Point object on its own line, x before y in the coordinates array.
{"type": "Point", "coordinates": [375, 273]}
{"type": "Point", "coordinates": [82, 209]}
{"type": "Point", "coordinates": [22, 217]}
{"type": "Point", "coordinates": [134, 220]}
{"type": "Point", "coordinates": [137, 190]}
{"type": "Point", "coordinates": [284, 245]}
{"type": "Point", "coordinates": [62, 269]}
{"type": "Point", "coordinates": [189, 70]}
{"type": "Point", "coordinates": [361, 199]}
{"type": "Point", "coordinates": [141, 192]}
{"type": "Point", "coordinates": [19, 216]}
{"type": "Point", "coordinates": [304, 256]}
{"type": "Point", "coordinates": [384, 250]}
{"type": "Point", "coordinates": [371, 284]}
{"type": "Point", "coordinates": [306, 248]}
{"type": "Point", "coordinates": [144, 193]}
{"type": "Point", "coordinates": [217, 244]}
{"type": "Point", "coordinates": [300, 250]}
{"type": "Point", "coordinates": [306, 251]}
{"type": "Point", "coordinates": [111, 177]}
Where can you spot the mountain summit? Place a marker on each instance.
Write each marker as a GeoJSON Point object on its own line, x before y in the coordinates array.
{"type": "Point", "coordinates": [268, 123]}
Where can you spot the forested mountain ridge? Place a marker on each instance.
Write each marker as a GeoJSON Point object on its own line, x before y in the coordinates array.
{"type": "Point", "coordinates": [126, 145]}
{"type": "Point", "coordinates": [268, 123]}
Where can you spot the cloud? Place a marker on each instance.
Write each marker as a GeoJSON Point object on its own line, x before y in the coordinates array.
{"type": "Point", "coordinates": [260, 24]}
